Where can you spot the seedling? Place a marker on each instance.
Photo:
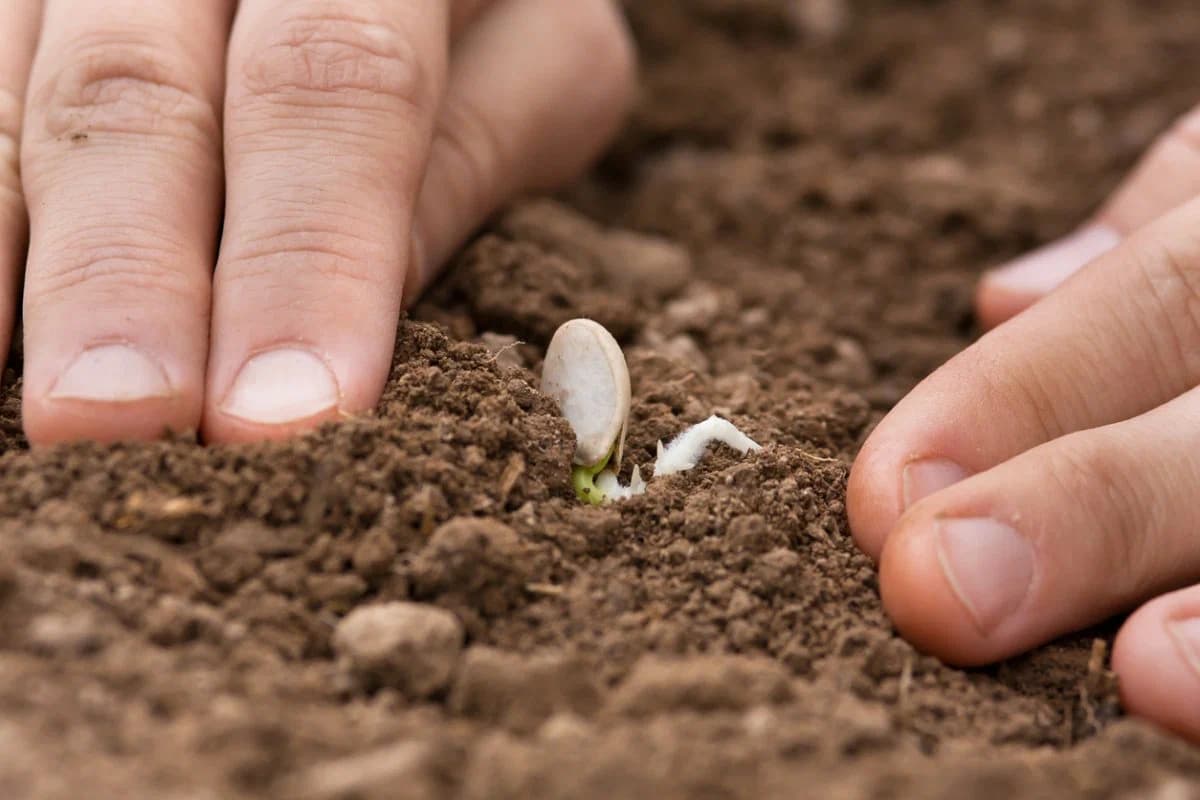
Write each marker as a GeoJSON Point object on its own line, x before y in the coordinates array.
{"type": "Point", "coordinates": [586, 374]}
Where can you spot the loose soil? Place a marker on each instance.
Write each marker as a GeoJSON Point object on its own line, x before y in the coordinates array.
{"type": "Point", "coordinates": [788, 234]}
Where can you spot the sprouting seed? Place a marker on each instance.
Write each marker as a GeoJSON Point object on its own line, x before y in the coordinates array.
{"type": "Point", "coordinates": [586, 374]}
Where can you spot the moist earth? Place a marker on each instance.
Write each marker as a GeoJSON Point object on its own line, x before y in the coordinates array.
{"type": "Point", "coordinates": [413, 604]}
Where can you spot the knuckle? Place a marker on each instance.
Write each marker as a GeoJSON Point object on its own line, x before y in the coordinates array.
{"type": "Point", "coordinates": [127, 84]}
{"type": "Point", "coordinates": [1170, 275]}
{"type": "Point", "coordinates": [331, 58]}
{"type": "Point", "coordinates": [1019, 386]}
{"type": "Point", "coordinates": [297, 255]}
{"type": "Point", "coordinates": [1116, 525]}
{"type": "Point", "coordinates": [122, 273]}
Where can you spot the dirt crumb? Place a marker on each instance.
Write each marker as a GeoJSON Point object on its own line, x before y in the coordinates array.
{"type": "Point", "coordinates": [411, 647]}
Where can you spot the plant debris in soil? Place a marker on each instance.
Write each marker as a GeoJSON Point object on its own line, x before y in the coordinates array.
{"type": "Point", "coordinates": [414, 604]}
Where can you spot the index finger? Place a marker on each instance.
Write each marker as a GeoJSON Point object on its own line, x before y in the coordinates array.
{"type": "Point", "coordinates": [329, 117]}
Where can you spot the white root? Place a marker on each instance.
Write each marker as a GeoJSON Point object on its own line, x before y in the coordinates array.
{"type": "Point", "coordinates": [607, 483]}
{"type": "Point", "coordinates": [683, 453]}
{"type": "Point", "coordinates": [685, 450]}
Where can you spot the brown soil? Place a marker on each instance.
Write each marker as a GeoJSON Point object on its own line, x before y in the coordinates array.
{"type": "Point", "coordinates": [820, 181]}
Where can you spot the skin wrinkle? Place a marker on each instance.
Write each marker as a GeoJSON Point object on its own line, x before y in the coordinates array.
{"type": "Point", "coordinates": [124, 275]}
{"type": "Point", "coordinates": [1142, 337]}
{"type": "Point", "coordinates": [302, 230]}
{"type": "Point", "coordinates": [92, 231]}
{"type": "Point", "coordinates": [1175, 288]}
{"type": "Point", "coordinates": [321, 264]}
{"type": "Point", "coordinates": [292, 227]}
{"type": "Point", "coordinates": [1081, 467]}
{"type": "Point", "coordinates": [125, 88]}
{"type": "Point", "coordinates": [172, 165]}
{"type": "Point", "coordinates": [1034, 395]}
{"type": "Point", "coordinates": [1061, 400]}
{"type": "Point", "coordinates": [1159, 481]}
{"type": "Point", "coordinates": [1146, 534]}
{"type": "Point", "coordinates": [344, 220]}
{"type": "Point", "coordinates": [382, 128]}
{"type": "Point", "coordinates": [1093, 366]}
{"type": "Point", "coordinates": [329, 59]}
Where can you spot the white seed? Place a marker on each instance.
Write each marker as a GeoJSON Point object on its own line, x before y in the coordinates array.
{"type": "Point", "coordinates": [585, 373]}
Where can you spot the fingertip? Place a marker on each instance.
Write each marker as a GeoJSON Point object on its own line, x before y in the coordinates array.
{"type": "Point", "coordinates": [49, 422]}
{"type": "Point", "coordinates": [109, 392]}
{"type": "Point", "coordinates": [277, 393]}
{"type": "Point", "coordinates": [890, 476]}
{"type": "Point", "coordinates": [872, 501]}
{"type": "Point", "coordinates": [1156, 657]}
{"type": "Point", "coordinates": [922, 603]}
{"type": "Point", "coordinates": [220, 428]}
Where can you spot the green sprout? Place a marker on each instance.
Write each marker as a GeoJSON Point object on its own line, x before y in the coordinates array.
{"type": "Point", "coordinates": [584, 481]}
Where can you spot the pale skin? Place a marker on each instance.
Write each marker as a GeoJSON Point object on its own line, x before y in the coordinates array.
{"type": "Point", "coordinates": [1048, 477]}
{"type": "Point", "coordinates": [338, 150]}
{"type": "Point", "coordinates": [227, 205]}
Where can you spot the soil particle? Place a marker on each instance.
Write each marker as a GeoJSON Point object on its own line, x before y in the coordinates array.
{"type": "Point", "coordinates": [407, 646]}
{"type": "Point", "coordinates": [713, 683]}
{"type": "Point", "coordinates": [478, 566]}
{"type": "Point", "coordinates": [521, 692]}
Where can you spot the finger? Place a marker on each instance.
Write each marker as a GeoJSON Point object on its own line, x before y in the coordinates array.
{"type": "Point", "coordinates": [1167, 177]}
{"type": "Point", "coordinates": [20, 23]}
{"type": "Point", "coordinates": [1051, 541]}
{"type": "Point", "coordinates": [1157, 660]}
{"type": "Point", "coordinates": [329, 115]}
{"type": "Point", "coordinates": [122, 174]}
{"type": "Point", "coordinates": [519, 118]}
{"type": "Point", "coordinates": [1121, 338]}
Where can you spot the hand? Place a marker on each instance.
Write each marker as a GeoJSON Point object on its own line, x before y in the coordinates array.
{"type": "Point", "coordinates": [1049, 476]}
{"type": "Point", "coordinates": [342, 149]}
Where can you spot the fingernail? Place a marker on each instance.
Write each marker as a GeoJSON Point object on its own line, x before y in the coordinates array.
{"type": "Point", "coordinates": [1186, 635]}
{"type": "Point", "coordinates": [279, 386]}
{"type": "Point", "coordinates": [112, 373]}
{"type": "Point", "coordinates": [928, 476]}
{"type": "Point", "coordinates": [989, 566]}
{"type": "Point", "coordinates": [1044, 269]}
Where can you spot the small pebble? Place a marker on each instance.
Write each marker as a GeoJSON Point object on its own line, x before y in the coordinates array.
{"type": "Point", "coordinates": [407, 646]}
